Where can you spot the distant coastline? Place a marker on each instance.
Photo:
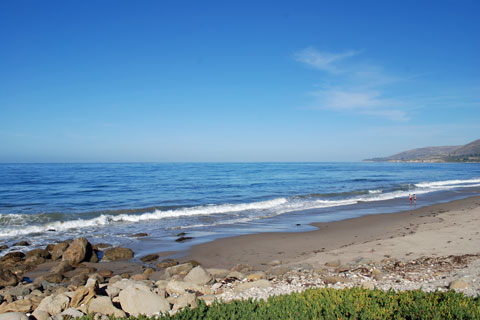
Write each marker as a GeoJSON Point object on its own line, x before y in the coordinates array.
{"type": "Point", "coordinates": [468, 153]}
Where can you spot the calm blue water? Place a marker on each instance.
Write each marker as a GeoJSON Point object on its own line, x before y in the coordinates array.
{"type": "Point", "coordinates": [44, 203]}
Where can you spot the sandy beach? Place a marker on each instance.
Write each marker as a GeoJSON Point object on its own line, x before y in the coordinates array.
{"type": "Point", "coordinates": [451, 228]}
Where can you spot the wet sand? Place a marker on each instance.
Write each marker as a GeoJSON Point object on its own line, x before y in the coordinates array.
{"type": "Point", "coordinates": [441, 229]}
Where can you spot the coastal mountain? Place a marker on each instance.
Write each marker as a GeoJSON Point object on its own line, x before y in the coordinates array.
{"type": "Point", "coordinates": [465, 153]}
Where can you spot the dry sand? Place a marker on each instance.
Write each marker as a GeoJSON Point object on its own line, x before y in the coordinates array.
{"type": "Point", "coordinates": [443, 229]}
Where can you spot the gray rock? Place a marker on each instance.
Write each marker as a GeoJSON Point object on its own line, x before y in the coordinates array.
{"type": "Point", "coordinates": [458, 284]}
{"type": "Point", "coordinates": [105, 306]}
{"type": "Point", "coordinates": [274, 263]}
{"type": "Point", "coordinates": [54, 304]}
{"type": "Point", "coordinates": [188, 299]}
{"type": "Point", "coordinates": [61, 267]}
{"type": "Point", "coordinates": [13, 316]}
{"type": "Point", "coordinates": [278, 270]}
{"type": "Point", "coordinates": [18, 291]}
{"type": "Point", "coordinates": [243, 268]}
{"type": "Point", "coordinates": [218, 273]}
{"type": "Point", "coordinates": [377, 274]}
{"type": "Point", "coordinates": [181, 287]}
{"type": "Point", "coordinates": [198, 275]}
{"type": "Point", "coordinates": [71, 312]}
{"type": "Point", "coordinates": [41, 315]}
{"type": "Point", "coordinates": [136, 302]}
{"type": "Point", "coordinates": [178, 269]}
{"type": "Point", "coordinates": [255, 284]}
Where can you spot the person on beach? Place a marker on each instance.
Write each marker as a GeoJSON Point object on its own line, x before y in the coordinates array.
{"type": "Point", "coordinates": [415, 199]}
{"type": "Point", "coordinates": [410, 196]}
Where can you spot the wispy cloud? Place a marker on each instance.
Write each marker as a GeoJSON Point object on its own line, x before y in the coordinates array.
{"type": "Point", "coordinates": [323, 60]}
{"type": "Point", "coordinates": [358, 87]}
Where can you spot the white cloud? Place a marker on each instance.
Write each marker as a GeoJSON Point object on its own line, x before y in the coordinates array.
{"type": "Point", "coordinates": [358, 86]}
{"type": "Point", "coordinates": [322, 60]}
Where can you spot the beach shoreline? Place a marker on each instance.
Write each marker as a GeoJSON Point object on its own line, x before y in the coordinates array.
{"type": "Point", "coordinates": [350, 237]}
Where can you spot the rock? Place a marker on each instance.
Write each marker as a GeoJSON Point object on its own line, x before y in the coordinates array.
{"type": "Point", "coordinates": [278, 270]}
{"type": "Point", "coordinates": [12, 257]}
{"type": "Point", "coordinates": [136, 302]}
{"type": "Point", "coordinates": [72, 313]}
{"type": "Point", "coordinates": [78, 251]}
{"type": "Point", "coordinates": [38, 253]}
{"type": "Point", "coordinates": [218, 273]}
{"type": "Point", "coordinates": [178, 269]}
{"type": "Point", "coordinates": [243, 268]}
{"type": "Point", "coordinates": [125, 283]}
{"type": "Point", "coordinates": [333, 264]}
{"type": "Point", "coordinates": [148, 271]}
{"type": "Point", "coordinates": [13, 316]}
{"type": "Point", "coordinates": [188, 299]}
{"type": "Point", "coordinates": [79, 280]}
{"type": "Point", "coordinates": [94, 257]}
{"type": "Point", "coordinates": [183, 239]}
{"type": "Point", "coordinates": [59, 249]}
{"type": "Point", "coordinates": [34, 261]}
{"type": "Point", "coordinates": [377, 274]}
{"type": "Point", "coordinates": [21, 244]}
{"type": "Point", "coordinates": [7, 278]}
{"type": "Point", "coordinates": [194, 263]}
{"type": "Point", "coordinates": [23, 305]}
{"type": "Point", "coordinates": [209, 299]}
{"type": "Point", "coordinates": [181, 287]}
{"type": "Point", "coordinates": [114, 254]}
{"type": "Point", "coordinates": [334, 279]}
{"type": "Point", "coordinates": [82, 295]}
{"type": "Point", "coordinates": [166, 263]}
{"type": "Point", "coordinates": [105, 306]}
{"type": "Point", "coordinates": [105, 273]}
{"type": "Point", "coordinates": [103, 245]}
{"type": "Point", "coordinates": [150, 257]}
{"type": "Point", "coordinates": [54, 278]}
{"type": "Point", "coordinates": [41, 315]}
{"type": "Point", "coordinates": [18, 291]}
{"type": "Point", "coordinates": [199, 276]}
{"type": "Point", "coordinates": [139, 277]}
{"type": "Point", "coordinates": [255, 284]}
{"type": "Point", "coordinates": [256, 276]}
{"type": "Point", "coordinates": [61, 267]}
{"type": "Point", "coordinates": [139, 235]}
{"type": "Point", "coordinates": [50, 247]}
{"type": "Point", "coordinates": [3, 247]}
{"type": "Point", "coordinates": [458, 284]}
{"type": "Point", "coordinates": [54, 304]}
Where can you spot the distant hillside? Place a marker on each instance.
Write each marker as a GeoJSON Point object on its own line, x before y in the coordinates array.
{"type": "Point", "coordinates": [466, 153]}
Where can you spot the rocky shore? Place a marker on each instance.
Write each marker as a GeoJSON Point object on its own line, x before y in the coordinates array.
{"type": "Point", "coordinates": [74, 278]}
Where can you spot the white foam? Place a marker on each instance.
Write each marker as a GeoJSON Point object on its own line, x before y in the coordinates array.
{"type": "Point", "coordinates": [449, 183]}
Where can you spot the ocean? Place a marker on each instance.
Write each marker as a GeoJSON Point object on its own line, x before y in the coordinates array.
{"type": "Point", "coordinates": [111, 202]}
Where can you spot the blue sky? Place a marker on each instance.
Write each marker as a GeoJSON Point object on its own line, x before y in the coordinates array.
{"type": "Point", "coordinates": [121, 81]}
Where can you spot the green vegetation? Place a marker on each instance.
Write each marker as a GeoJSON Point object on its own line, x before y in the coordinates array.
{"type": "Point", "coordinates": [354, 303]}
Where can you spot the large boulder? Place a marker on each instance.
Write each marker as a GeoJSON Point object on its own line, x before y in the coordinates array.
{"type": "Point", "coordinates": [79, 250]}
{"type": "Point", "coordinates": [7, 278]}
{"type": "Point", "coordinates": [23, 305]}
{"type": "Point", "coordinates": [54, 304]}
{"type": "Point", "coordinates": [181, 287]}
{"type": "Point", "coordinates": [118, 254]}
{"type": "Point", "coordinates": [136, 301]}
{"type": "Point", "coordinates": [12, 257]}
{"type": "Point", "coordinates": [59, 249]}
{"type": "Point", "coordinates": [40, 253]}
{"type": "Point", "coordinates": [198, 275]}
{"type": "Point", "coordinates": [188, 299]}
{"type": "Point", "coordinates": [105, 306]}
